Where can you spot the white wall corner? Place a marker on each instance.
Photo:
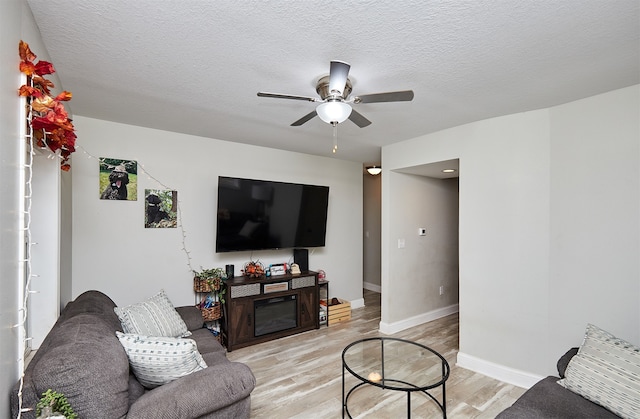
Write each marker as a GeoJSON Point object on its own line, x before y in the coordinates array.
{"type": "Point", "coordinates": [499, 372]}
{"type": "Point", "coordinates": [395, 327]}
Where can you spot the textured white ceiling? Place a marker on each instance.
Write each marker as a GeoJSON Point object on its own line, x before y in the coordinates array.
{"type": "Point", "coordinates": [196, 66]}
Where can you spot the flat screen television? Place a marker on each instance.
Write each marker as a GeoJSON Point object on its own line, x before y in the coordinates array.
{"type": "Point", "coordinates": [258, 215]}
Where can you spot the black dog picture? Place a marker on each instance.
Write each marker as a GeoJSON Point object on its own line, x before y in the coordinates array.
{"type": "Point", "coordinates": [160, 208]}
{"type": "Point", "coordinates": [118, 179]}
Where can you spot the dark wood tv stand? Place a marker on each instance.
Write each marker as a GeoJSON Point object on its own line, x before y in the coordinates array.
{"type": "Point", "coordinates": [243, 292]}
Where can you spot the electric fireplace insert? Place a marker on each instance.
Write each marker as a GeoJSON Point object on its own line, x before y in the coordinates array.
{"type": "Point", "coordinates": [275, 314]}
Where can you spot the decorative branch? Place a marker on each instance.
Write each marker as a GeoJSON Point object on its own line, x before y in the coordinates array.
{"type": "Point", "coordinates": [49, 120]}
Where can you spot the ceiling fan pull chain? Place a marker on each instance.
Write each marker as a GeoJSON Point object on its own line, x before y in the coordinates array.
{"type": "Point", "coordinates": [335, 137]}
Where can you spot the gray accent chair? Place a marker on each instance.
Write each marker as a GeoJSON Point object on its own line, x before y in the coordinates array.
{"type": "Point", "coordinates": [82, 358]}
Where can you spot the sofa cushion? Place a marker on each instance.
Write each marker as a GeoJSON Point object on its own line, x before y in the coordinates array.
{"type": "Point", "coordinates": [136, 390]}
{"type": "Point", "coordinates": [606, 370]}
{"type": "Point", "coordinates": [85, 362]}
{"type": "Point", "coordinates": [153, 317]}
{"type": "Point", "coordinates": [546, 399]}
{"type": "Point", "coordinates": [206, 342]}
{"type": "Point", "coordinates": [160, 360]}
{"type": "Point", "coordinates": [192, 317]}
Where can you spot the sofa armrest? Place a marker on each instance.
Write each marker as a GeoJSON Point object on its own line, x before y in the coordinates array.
{"type": "Point", "coordinates": [197, 394]}
{"type": "Point", "coordinates": [564, 361]}
{"type": "Point", "coordinates": [192, 317]}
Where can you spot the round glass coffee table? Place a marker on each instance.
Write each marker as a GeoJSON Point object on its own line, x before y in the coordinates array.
{"type": "Point", "coordinates": [394, 364]}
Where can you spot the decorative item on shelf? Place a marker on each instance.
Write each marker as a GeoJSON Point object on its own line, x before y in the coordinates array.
{"type": "Point", "coordinates": [339, 311]}
{"type": "Point", "coordinates": [214, 328]}
{"type": "Point", "coordinates": [374, 376]}
{"type": "Point", "coordinates": [211, 310]}
{"type": "Point", "coordinates": [49, 122]}
{"type": "Point", "coordinates": [253, 269]}
{"type": "Point", "coordinates": [278, 269]}
{"type": "Point", "coordinates": [210, 281]}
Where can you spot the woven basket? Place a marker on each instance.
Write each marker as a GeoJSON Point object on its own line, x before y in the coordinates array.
{"type": "Point", "coordinates": [203, 285]}
{"type": "Point", "coordinates": [211, 313]}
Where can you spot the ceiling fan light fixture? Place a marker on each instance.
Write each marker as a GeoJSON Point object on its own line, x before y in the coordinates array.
{"type": "Point", "coordinates": [374, 170]}
{"type": "Point", "coordinates": [333, 111]}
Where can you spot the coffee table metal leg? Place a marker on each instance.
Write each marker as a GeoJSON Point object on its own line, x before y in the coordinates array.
{"type": "Point", "coordinates": [344, 403]}
{"type": "Point", "coordinates": [444, 396]}
{"type": "Point", "coordinates": [408, 404]}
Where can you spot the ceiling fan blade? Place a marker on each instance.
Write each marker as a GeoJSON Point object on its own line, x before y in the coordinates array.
{"type": "Point", "coordinates": [399, 96]}
{"type": "Point", "coordinates": [304, 119]}
{"type": "Point", "coordinates": [358, 119]}
{"type": "Point", "coordinates": [283, 96]}
{"type": "Point", "coordinates": [338, 73]}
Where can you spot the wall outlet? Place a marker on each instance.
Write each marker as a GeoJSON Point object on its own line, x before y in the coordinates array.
{"type": "Point", "coordinates": [400, 243]}
{"type": "Point", "coordinates": [422, 231]}
{"type": "Point", "coordinates": [441, 289]}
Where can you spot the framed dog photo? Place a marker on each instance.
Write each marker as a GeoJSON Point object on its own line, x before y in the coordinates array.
{"type": "Point", "coordinates": [118, 179]}
{"type": "Point", "coordinates": [160, 208]}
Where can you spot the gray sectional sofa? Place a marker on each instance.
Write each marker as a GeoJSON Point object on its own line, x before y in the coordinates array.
{"type": "Point", "coordinates": [548, 399]}
{"type": "Point", "coordinates": [83, 358]}
{"type": "Point", "coordinates": [600, 379]}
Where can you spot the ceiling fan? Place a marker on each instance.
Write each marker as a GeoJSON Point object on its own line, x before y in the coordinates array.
{"type": "Point", "coordinates": [335, 103]}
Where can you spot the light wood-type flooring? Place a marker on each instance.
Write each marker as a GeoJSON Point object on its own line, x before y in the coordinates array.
{"type": "Point", "coordinates": [300, 376]}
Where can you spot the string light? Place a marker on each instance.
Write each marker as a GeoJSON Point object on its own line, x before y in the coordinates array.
{"type": "Point", "coordinates": [161, 184]}
{"type": "Point", "coordinates": [25, 259]}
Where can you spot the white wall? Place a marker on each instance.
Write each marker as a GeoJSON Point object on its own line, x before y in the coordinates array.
{"type": "Point", "coordinates": [372, 215]}
{"type": "Point", "coordinates": [10, 173]}
{"type": "Point", "coordinates": [114, 253]}
{"type": "Point", "coordinates": [595, 213]}
{"type": "Point", "coordinates": [549, 229]}
{"type": "Point", "coordinates": [411, 289]}
{"type": "Point", "coordinates": [44, 303]}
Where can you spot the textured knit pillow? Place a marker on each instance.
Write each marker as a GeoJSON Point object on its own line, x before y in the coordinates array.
{"type": "Point", "coordinates": [154, 317]}
{"type": "Point", "coordinates": [606, 370]}
{"type": "Point", "coordinates": [160, 360]}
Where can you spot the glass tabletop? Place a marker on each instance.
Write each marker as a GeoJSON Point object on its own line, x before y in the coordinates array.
{"type": "Point", "coordinates": [395, 364]}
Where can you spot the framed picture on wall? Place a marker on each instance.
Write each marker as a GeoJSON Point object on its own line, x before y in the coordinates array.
{"type": "Point", "coordinates": [118, 179]}
{"type": "Point", "coordinates": [160, 208]}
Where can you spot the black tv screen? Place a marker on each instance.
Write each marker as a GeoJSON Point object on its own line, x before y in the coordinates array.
{"type": "Point", "coordinates": [258, 214]}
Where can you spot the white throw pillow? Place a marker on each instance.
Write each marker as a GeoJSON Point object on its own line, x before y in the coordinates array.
{"type": "Point", "coordinates": [606, 370]}
{"type": "Point", "coordinates": [154, 317]}
{"type": "Point", "coordinates": [160, 360]}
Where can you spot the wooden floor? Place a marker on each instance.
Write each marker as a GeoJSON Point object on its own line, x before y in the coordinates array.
{"type": "Point", "coordinates": [301, 376]}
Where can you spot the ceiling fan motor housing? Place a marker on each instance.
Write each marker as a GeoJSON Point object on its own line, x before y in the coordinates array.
{"type": "Point", "coordinates": [322, 88]}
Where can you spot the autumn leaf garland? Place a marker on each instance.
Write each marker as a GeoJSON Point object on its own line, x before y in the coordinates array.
{"type": "Point", "coordinates": [50, 122]}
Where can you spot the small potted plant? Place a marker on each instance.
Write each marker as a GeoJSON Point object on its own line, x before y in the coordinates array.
{"type": "Point", "coordinates": [54, 405]}
{"type": "Point", "coordinates": [208, 280]}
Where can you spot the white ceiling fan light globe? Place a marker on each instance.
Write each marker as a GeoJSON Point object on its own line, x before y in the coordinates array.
{"type": "Point", "coordinates": [334, 111]}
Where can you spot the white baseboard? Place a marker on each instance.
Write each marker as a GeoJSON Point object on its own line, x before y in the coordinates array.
{"type": "Point", "coordinates": [357, 303]}
{"type": "Point", "coordinates": [371, 287]}
{"type": "Point", "coordinates": [499, 372]}
{"type": "Point", "coordinates": [391, 328]}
